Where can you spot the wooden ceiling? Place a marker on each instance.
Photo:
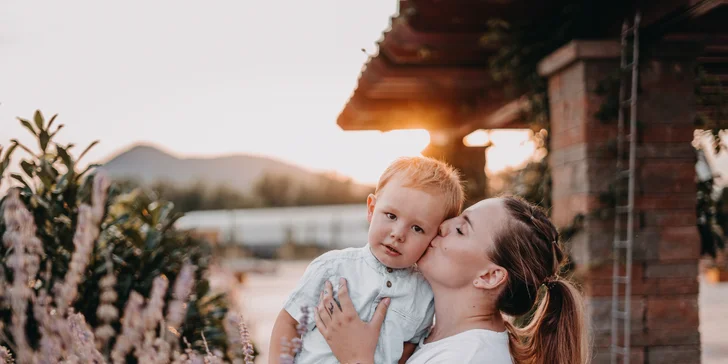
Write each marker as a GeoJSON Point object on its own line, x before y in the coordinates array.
{"type": "Point", "coordinates": [431, 68]}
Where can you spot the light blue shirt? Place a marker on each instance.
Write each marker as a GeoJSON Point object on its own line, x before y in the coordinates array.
{"type": "Point", "coordinates": [410, 312]}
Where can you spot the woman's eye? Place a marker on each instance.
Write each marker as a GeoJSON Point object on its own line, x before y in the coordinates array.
{"type": "Point", "coordinates": [460, 232]}
{"type": "Point", "coordinates": [418, 229]}
{"type": "Point", "coordinates": [391, 216]}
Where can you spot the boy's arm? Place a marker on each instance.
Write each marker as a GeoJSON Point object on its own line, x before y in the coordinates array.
{"type": "Point", "coordinates": [284, 327]}
{"type": "Point", "coordinates": [409, 349]}
{"type": "Point", "coordinates": [306, 294]}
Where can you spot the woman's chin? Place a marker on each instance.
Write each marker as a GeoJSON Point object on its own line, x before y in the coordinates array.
{"type": "Point", "coordinates": [423, 259]}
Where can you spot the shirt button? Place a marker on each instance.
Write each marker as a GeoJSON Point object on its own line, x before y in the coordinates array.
{"type": "Point", "coordinates": [389, 270]}
{"type": "Point", "coordinates": [389, 284]}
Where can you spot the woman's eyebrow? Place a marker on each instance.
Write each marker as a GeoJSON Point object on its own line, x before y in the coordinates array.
{"type": "Point", "coordinates": [467, 219]}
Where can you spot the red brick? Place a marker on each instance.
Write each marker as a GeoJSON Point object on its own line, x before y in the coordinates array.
{"type": "Point", "coordinates": [668, 168]}
{"type": "Point", "coordinates": [604, 272]}
{"type": "Point", "coordinates": [601, 132]}
{"type": "Point", "coordinates": [602, 288]}
{"type": "Point", "coordinates": [687, 269]}
{"type": "Point", "coordinates": [673, 313]}
{"type": "Point", "coordinates": [673, 286]}
{"type": "Point", "coordinates": [671, 151]}
{"type": "Point", "coordinates": [597, 282]}
{"type": "Point", "coordinates": [668, 337]}
{"type": "Point", "coordinates": [568, 137]}
{"type": "Point", "coordinates": [683, 354]}
{"type": "Point", "coordinates": [665, 201]}
{"type": "Point", "coordinates": [679, 243]}
{"type": "Point", "coordinates": [667, 175]}
{"type": "Point", "coordinates": [667, 133]}
{"type": "Point", "coordinates": [565, 208]}
{"type": "Point", "coordinates": [684, 217]}
{"type": "Point", "coordinates": [603, 356]}
{"type": "Point", "coordinates": [556, 111]}
{"type": "Point", "coordinates": [600, 314]}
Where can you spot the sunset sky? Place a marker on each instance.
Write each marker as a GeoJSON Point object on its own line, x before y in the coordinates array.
{"type": "Point", "coordinates": [202, 78]}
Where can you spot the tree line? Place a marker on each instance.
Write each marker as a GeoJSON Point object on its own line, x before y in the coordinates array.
{"type": "Point", "coordinates": [270, 190]}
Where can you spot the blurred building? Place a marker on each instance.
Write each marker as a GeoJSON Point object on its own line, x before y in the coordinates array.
{"type": "Point", "coordinates": [264, 231]}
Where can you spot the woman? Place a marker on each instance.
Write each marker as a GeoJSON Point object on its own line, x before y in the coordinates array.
{"type": "Point", "coordinates": [500, 257]}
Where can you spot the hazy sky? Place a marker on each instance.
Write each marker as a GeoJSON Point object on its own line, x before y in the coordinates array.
{"type": "Point", "coordinates": [198, 78]}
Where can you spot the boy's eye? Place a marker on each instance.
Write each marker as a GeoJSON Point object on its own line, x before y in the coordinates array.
{"type": "Point", "coordinates": [418, 229]}
{"type": "Point", "coordinates": [460, 232]}
{"type": "Point", "coordinates": [391, 216]}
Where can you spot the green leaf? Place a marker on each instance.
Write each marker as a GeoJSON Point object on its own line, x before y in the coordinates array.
{"type": "Point", "coordinates": [57, 130]}
{"type": "Point", "coordinates": [28, 168]}
{"type": "Point", "coordinates": [63, 219]}
{"type": "Point", "coordinates": [120, 220]}
{"type": "Point", "coordinates": [6, 160]}
{"type": "Point", "coordinates": [86, 150]}
{"type": "Point", "coordinates": [153, 239]}
{"type": "Point", "coordinates": [118, 260]}
{"type": "Point", "coordinates": [38, 118]}
{"type": "Point", "coordinates": [53, 118]}
{"type": "Point", "coordinates": [43, 139]}
{"type": "Point", "coordinates": [62, 183]}
{"type": "Point", "coordinates": [20, 179]}
{"type": "Point", "coordinates": [47, 174]}
{"type": "Point", "coordinates": [23, 147]}
{"type": "Point", "coordinates": [90, 166]}
{"type": "Point", "coordinates": [27, 125]}
{"type": "Point", "coordinates": [164, 212]}
{"type": "Point", "coordinates": [41, 202]}
{"type": "Point", "coordinates": [62, 152]}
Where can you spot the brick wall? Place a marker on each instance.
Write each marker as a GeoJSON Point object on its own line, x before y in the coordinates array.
{"type": "Point", "coordinates": [664, 301]}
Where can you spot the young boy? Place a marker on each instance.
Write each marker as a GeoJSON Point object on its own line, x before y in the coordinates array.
{"type": "Point", "coordinates": [413, 196]}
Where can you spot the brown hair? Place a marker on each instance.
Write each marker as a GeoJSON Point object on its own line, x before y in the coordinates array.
{"type": "Point", "coordinates": [527, 247]}
{"type": "Point", "coordinates": [429, 175]}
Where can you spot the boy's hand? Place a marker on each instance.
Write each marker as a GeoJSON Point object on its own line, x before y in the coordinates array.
{"type": "Point", "coordinates": [341, 326]}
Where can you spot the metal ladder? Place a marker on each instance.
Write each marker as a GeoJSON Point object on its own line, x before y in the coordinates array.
{"type": "Point", "coordinates": [624, 210]}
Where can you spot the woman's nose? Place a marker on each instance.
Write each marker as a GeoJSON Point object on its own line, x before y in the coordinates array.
{"type": "Point", "coordinates": [442, 230]}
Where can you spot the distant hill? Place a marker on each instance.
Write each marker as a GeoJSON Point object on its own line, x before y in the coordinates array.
{"type": "Point", "coordinates": [148, 164]}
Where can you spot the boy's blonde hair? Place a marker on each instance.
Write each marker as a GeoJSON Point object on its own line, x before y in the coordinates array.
{"type": "Point", "coordinates": [429, 175]}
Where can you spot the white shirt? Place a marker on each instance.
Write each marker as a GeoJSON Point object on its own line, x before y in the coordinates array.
{"type": "Point", "coordinates": [475, 346]}
{"type": "Point", "coordinates": [410, 312]}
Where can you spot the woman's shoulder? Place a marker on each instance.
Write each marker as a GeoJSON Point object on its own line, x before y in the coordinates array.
{"type": "Point", "coordinates": [469, 347]}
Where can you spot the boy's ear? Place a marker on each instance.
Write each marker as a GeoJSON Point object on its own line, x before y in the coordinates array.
{"type": "Point", "coordinates": [371, 201]}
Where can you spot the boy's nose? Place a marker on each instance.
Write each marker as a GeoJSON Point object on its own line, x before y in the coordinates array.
{"type": "Point", "coordinates": [397, 235]}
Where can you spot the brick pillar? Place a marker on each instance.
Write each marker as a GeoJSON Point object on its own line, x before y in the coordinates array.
{"type": "Point", "coordinates": [470, 161]}
{"type": "Point", "coordinates": [664, 306]}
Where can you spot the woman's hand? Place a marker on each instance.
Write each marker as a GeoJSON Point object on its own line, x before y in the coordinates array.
{"type": "Point", "coordinates": [342, 327]}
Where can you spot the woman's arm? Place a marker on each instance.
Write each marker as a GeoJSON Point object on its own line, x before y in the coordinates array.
{"type": "Point", "coordinates": [342, 326]}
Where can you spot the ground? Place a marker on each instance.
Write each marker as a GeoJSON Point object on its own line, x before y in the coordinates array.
{"type": "Point", "coordinates": [262, 295]}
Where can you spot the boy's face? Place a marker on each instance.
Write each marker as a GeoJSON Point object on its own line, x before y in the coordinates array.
{"type": "Point", "coordinates": [402, 222]}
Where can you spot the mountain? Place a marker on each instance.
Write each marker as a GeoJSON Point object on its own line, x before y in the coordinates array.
{"type": "Point", "coordinates": [148, 164]}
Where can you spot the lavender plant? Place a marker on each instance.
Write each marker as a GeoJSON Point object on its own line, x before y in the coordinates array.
{"type": "Point", "coordinates": [83, 237]}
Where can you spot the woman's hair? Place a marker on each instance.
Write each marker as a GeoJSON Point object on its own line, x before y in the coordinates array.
{"type": "Point", "coordinates": [528, 248]}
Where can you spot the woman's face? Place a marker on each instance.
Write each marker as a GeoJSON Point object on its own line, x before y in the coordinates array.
{"type": "Point", "coordinates": [459, 254]}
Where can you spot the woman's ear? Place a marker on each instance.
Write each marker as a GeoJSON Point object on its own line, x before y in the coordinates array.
{"type": "Point", "coordinates": [491, 278]}
{"type": "Point", "coordinates": [371, 201]}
